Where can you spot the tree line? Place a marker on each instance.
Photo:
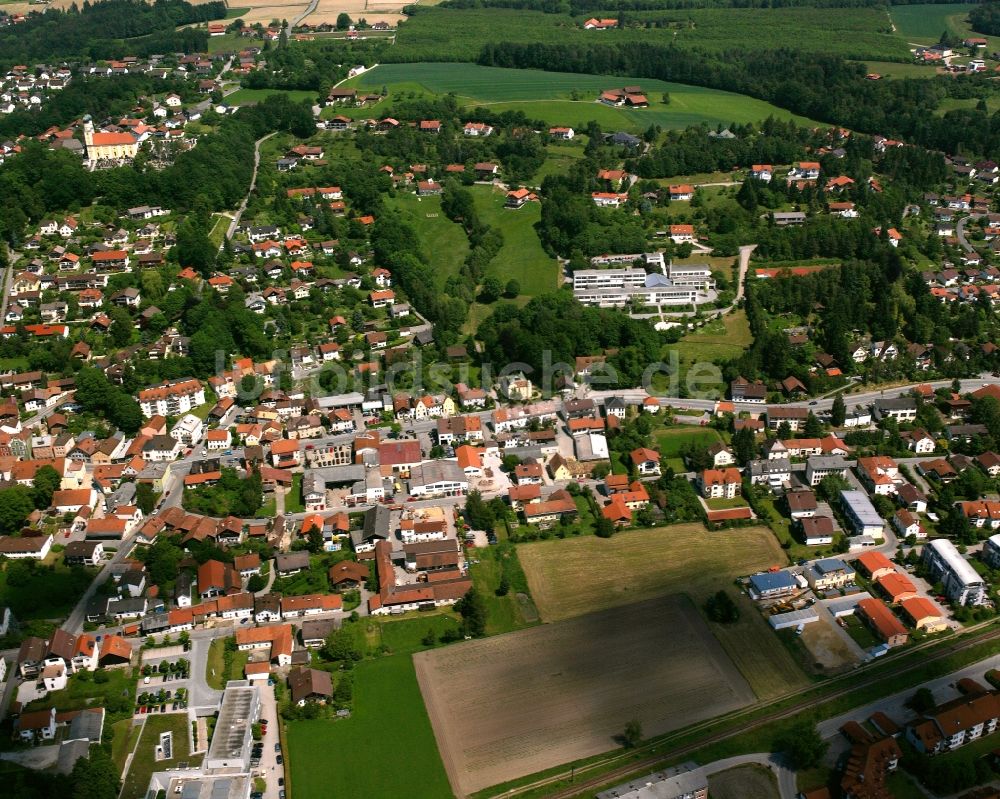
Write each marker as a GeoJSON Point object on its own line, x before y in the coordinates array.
{"type": "Point", "coordinates": [822, 87]}
{"type": "Point", "coordinates": [108, 29]}
{"type": "Point", "coordinates": [615, 7]}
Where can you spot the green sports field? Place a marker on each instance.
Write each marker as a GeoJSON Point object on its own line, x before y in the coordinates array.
{"type": "Point", "coordinates": [924, 24]}
{"type": "Point", "coordinates": [569, 99]}
{"type": "Point", "coordinates": [386, 747]}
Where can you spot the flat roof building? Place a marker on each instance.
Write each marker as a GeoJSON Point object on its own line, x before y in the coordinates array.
{"type": "Point", "coordinates": [686, 781]}
{"type": "Point", "coordinates": [862, 514]}
{"type": "Point", "coordinates": [232, 739]}
{"type": "Point", "coordinates": [962, 583]}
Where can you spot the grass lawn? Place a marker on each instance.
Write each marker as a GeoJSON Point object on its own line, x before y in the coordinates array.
{"type": "Point", "coordinates": [718, 341]}
{"type": "Point", "coordinates": [890, 69]}
{"type": "Point", "coordinates": [902, 786]}
{"type": "Point", "coordinates": [144, 762]}
{"type": "Point", "coordinates": [440, 236]}
{"type": "Point", "coordinates": [924, 24]}
{"type": "Point", "coordinates": [293, 499]}
{"type": "Point", "coordinates": [521, 257]}
{"type": "Point", "coordinates": [42, 591]}
{"type": "Point", "coordinates": [116, 695]}
{"type": "Point", "coordinates": [252, 96]}
{"type": "Point", "coordinates": [558, 159]}
{"type": "Point", "coordinates": [571, 577]}
{"type": "Point", "coordinates": [672, 440]}
{"type": "Point", "coordinates": [506, 613]}
{"type": "Point", "coordinates": [568, 98]}
{"type": "Point", "coordinates": [203, 410]}
{"type": "Point", "coordinates": [218, 232]}
{"type": "Point", "coordinates": [228, 42]}
{"type": "Point", "coordinates": [267, 510]}
{"type": "Point", "coordinates": [124, 741]}
{"type": "Point", "coordinates": [342, 758]}
{"type": "Point", "coordinates": [216, 674]}
{"type": "Point", "coordinates": [859, 631]}
{"type": "Point", "coordinates": [724, 504]}
{"type": "Point", "coordinates": [782, 527]}
{"type": "Point", "coordinates": [405, 636]}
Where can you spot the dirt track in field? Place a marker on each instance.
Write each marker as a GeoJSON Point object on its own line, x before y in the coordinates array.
{"type": "Point", "coordinates": [516, 704]}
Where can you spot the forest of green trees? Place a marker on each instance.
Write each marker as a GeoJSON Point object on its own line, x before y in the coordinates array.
{"type": "Point", "coordinates": [108, 29]}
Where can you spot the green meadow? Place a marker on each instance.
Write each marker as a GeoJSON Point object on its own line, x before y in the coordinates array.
{"type": "Point", "coordinates": [564, 98]}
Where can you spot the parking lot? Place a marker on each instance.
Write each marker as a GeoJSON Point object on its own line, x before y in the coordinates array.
{"type": "Point", "coordinates": [268, 760]}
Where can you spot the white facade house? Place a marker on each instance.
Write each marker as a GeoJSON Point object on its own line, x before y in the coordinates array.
{"type": "Point", "coordinates": [188, 430]}
{"type": "Point", "coordinates": [962, 583]}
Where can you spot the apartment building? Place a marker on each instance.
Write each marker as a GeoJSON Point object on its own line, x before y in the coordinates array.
{"type": "Point", "coordinates": [962, 583]}
{"type": "Point", "coordinates": [172, 398]}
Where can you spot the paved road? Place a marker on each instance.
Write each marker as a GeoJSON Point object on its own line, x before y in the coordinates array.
{"type": "Point", "coordinates": [960, 232]}
{"type": "Point", "coordinates": [895, 704]}
{"type": "Point", "coordinates": [253, 180]}
{"type": "Point", "coordinates": [202, 695]}
{"type": "Point", "coordinates": [309, 9]}
{"type": "Point", "coordinates": [8, 281]}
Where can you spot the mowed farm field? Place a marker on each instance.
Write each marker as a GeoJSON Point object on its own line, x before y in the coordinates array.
{"type": "Point", "coordinates": [516, 704]}
{"type": "Point", "coordinates": [548, 96]}
{"type": "Point", "coordinates": [924, 24]}
{"type": "Point", "coordinates": [575, 576]}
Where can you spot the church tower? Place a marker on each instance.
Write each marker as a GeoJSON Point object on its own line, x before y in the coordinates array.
{"type": "Point", "coordinates": [88, 132]}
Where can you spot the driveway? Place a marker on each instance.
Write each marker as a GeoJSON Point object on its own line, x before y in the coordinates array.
{"type": "Point", "coordinates": [269, 768]}
{"type": "Point", "coordinates": [202, 695]}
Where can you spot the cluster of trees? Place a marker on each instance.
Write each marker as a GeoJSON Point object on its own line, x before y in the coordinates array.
{"type": "Point", "coordinates": [721, 608]}
{"type": "Point", "coordinates": [472, 609]}
{"type": "Point", "coordinates": [219, 325]}
{"type": "Point", "coordinates": [216, 173]}
{"type": "Point", "coordinates": [92, 777]}
{"type": "Point", "coordinates": [985, 18]}
{"type": "Point", "coordinates": [232, 495]}
{"type": "Point", "coordinates": [100, 97]}
{"type": "Point", "coordinates": [395, 243]}
{"type": "Point", "coordinates": [521, 155]}
{"type": "Point", "coordinates": [692, 151]}
{"type": "Point", "coordinates": [99, 30]}
{"type": "Point", "coordinates": [554, 328]}
{"type": "Point", "coordinates": [482, 515]}
{"type": "Point", "coordinates": [18, 501]}
{"type": "Point", "coordinates": [317, 68]}
{"type": "Point", "coordinates": [485, 241]}
{"type": "Point", "coordinates": [97, 395]}
{"type": "Point", "coordinates": [572, 225]}
{"type": "Point", "coordinates": [898, 306]}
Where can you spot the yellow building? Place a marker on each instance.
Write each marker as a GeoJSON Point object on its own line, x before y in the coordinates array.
{"type": "Point", "coordinates": [101, 146]}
